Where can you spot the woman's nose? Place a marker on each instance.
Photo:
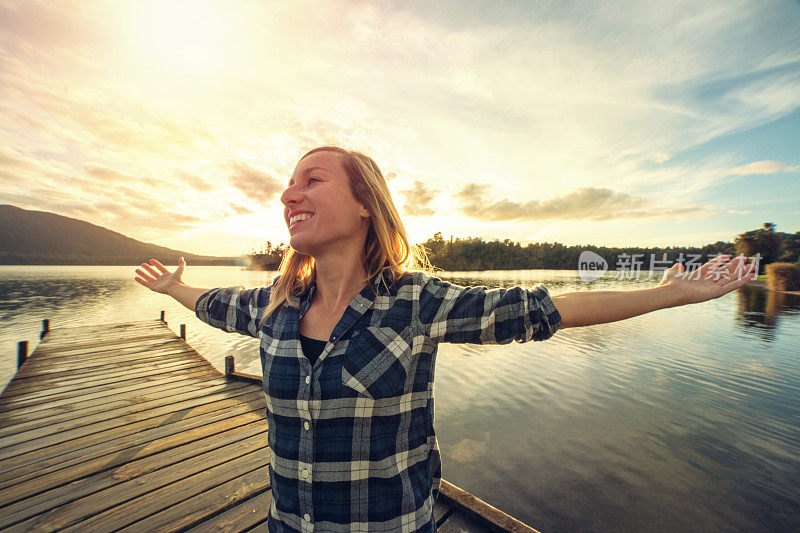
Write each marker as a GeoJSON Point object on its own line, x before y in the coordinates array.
{"type": "Point", "coordinates": [290, 195]}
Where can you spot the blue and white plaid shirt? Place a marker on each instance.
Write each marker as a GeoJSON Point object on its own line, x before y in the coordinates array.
{"type": "Point", "coordinates": [352, 443]}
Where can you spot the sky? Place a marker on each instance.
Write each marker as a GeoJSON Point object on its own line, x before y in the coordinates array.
{"type": "Point", "coordinates": [610, 123]}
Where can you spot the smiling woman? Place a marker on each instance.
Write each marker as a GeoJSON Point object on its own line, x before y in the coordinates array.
{"type": "Point", "coordinates": [352, 440]}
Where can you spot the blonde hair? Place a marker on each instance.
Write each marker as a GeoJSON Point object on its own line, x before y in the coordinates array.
{"type": "Point", "coordinates": [386, 244]}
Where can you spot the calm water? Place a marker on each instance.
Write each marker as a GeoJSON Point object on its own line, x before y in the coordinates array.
{"type": "Point", "coordinates": [682, 419]}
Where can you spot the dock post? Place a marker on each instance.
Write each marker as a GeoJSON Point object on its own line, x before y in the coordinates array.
{"type": "Point", "coordinates": [163, 313]}
{"type": "Point", "coordinates": [22, 352]}
{"type": "Point", "coordinates": [45, 328]}
{"type": "Point", "coordinates": [229, 365]}
{"type": "Point", "coordinates": [183, 331]}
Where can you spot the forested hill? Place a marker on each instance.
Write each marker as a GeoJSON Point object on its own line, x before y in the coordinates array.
{"type": "Point", "coordinates": [42, 238]}
{"type": "Point", "coordinates": [473, 253]}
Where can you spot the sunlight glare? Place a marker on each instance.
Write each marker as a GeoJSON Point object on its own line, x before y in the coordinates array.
{"type": "Point", "coordinates": [183, 35]}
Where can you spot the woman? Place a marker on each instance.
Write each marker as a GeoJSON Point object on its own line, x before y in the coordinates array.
{"type": "Point", "coordinates": [349, 333]}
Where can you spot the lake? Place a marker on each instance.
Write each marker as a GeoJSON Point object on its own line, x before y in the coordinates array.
{"type": "Point", "coordinates": [682, 419]}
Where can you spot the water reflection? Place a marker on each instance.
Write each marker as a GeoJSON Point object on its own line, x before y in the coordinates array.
{"type": "Point", "coordinates": [20, 295]}
{"type": "Point", "coordinates": [760, 310]}
{"type": "Point", "coordinates": [684, 418]}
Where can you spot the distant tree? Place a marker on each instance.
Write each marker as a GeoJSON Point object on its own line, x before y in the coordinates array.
{"type": "Point", "coordinates": [764, 241]}
{"type": "Point", "coordinates": [790, 250]}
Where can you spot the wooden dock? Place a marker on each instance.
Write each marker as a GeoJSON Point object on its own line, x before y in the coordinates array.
{"type": "Point", "coordinates": [125, 427]}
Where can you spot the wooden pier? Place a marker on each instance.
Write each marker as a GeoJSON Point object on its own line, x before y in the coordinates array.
{"type": "Point", "coordinates": [125, 427]}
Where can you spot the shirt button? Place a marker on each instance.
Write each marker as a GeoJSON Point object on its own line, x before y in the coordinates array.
{"type": "Point", "coordinates": [304, 473]}
{"type": "Point", "coordinates": [333, 338]}
{"type": "Point", "coordinates": [305, 425]}
{"type": "Point", "coordinates": [306, 517]}
{"type": "Point", "coordinates": [308, 379]}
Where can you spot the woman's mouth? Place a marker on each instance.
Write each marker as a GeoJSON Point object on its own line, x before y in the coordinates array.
{"type": "Point", "coordinates": [299, 219]}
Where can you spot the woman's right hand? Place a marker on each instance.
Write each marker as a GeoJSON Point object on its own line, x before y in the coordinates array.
{"type": "Point", "coordinates": [159, 281]}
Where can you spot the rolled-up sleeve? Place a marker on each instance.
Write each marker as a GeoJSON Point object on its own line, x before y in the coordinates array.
{"type": "Point", "coordinates": [233, 309]}
{"type": "Point", "coordinates": [479, 315]}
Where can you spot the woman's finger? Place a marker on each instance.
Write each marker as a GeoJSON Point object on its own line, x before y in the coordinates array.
{"type": "Point", "coordinates": [712, 264]}
{"type": "Point", "coordinates": [145, 276]}
{"type": "Point", "coordinates": [726, 271]}
{"type": "Point", "coordinates": [151, 270]}
{"type": "Point", "coordinates": [142, 282]}
{"type": "Point", "coordinates": [747, 276]}
{"type": "Point", "coordinates": [159, 266]}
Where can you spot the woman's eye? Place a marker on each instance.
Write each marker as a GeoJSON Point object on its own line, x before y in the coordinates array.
{"type": "Point", "coordinates": [314, 179]}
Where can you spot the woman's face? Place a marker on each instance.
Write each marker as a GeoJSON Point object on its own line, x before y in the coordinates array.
{"type": "Point", "coordinates": [320, 188]}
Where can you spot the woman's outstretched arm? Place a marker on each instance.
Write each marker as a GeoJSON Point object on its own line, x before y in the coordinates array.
{"type": "Point", "coordinates": [712, 280]}
{"type": "Point", "coordinates": [165, 282]}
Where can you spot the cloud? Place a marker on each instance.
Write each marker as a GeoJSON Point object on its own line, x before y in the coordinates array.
{"type": "Point", "coordinates": [196, 182]}
{"type": "Point", "coordinates": [121, 214]}
{"type": "Point", "coordinates": [661, 157]}
{"type": "Point", "coordinates": [13, 159]}
{"type": "Point", "coordinates": [240, 209]}
{"type": "Point", "coordinates": [418, 199]}
{"type": "Point", "coordinates": [112, 176]}
{"type": "Point", "coordinates": [256, 184]}
{"type": "Point", "coordinates": [18, 165]}
{"type": "Point", "coordinates": [586, 203]}
{"type": "Point", "coordinates": [97, 114]}
{"type": "Point", "coordinates": [761, 167]}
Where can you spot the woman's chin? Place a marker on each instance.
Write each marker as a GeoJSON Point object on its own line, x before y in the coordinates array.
{"type": "Point", "coordinates": [299, 246]}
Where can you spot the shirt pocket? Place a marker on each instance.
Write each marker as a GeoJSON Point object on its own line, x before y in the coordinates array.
{"type": "Point", "coordinates": [377, 361]}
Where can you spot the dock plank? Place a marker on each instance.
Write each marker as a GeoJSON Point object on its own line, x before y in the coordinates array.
{"type": "Point", "coordinates": [459, 522]}
{"type": "Point", "coordinates": [45, 460]}
{"type": "Point", "coordinates": [48, 394]}
{"type": "Point", "coordinates": [107, 458]}
{"type": "Point", "coordinates": [92, 379]}
{"type": "Point", "coordinates": [177, 491]}
{"type": "Point", "coordinates": [121, 415]}
{"type": "Point", "coordinates": [106, 341]}
{"type": "Point", "coordinates": [67, 398]}
{"type": "Point", "coordinates": [91, 375]}
{"type": "Point", "coordinates": [14, 445]}
{"type": "Point", "coordinates": [110, 360]}
{"type": "Point", "coordinates": [246, 515]}
{"type": "Point", "coordinates": [113, 499]}
{"type": "Point", "coordinates": [203, 506]}
{"type": "Point", "coordinates": [23, 421]}
{"type": "Point", "coordinates": [260, 528]}
{"type": "Point", "coordinates": [441, 509]}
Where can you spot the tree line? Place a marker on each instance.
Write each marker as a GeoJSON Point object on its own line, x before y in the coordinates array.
{"type": "Point", "coordinates": [473, 253]}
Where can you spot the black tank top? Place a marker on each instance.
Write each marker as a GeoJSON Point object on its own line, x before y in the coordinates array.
{"type": "Point", "coordinates": [311, 347]}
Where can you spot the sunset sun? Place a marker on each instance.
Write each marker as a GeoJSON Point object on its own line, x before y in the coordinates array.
{"type": "Point", "coordinates": [182, 35]}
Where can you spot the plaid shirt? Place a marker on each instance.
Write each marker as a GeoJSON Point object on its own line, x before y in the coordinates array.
{"type": "Point", "coordinates": [352, 443]}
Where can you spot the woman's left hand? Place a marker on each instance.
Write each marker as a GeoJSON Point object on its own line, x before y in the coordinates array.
{"type": "Point", "coordinates": [715, 278]}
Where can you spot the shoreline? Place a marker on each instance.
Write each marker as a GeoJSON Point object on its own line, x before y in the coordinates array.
{"type": "Point", "coordinates": [764, 284]}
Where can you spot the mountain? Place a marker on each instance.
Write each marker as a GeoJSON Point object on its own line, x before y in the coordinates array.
{"type": "Point", "coordinates": [42, 238]}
